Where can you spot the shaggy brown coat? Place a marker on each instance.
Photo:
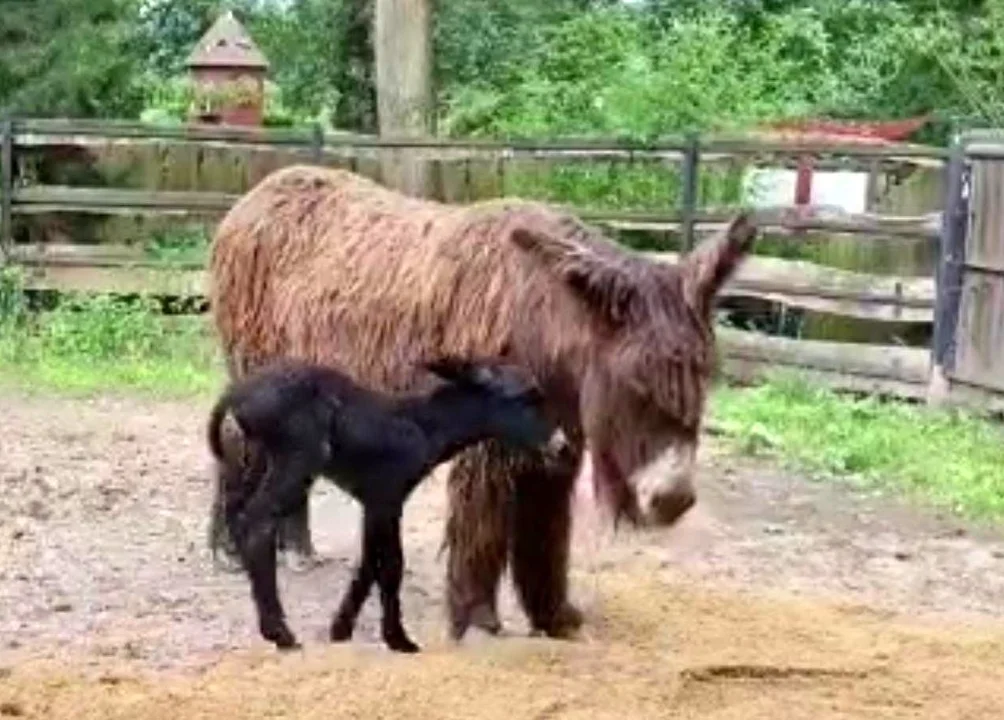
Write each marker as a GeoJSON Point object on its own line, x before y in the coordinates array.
{"type": "Point", "coordinates": [329, 267]}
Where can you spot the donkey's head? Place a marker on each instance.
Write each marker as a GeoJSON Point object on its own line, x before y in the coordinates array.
{"type": "Point", "coordinates": [647, 363]}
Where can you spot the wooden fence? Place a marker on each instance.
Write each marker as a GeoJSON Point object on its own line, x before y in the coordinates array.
{"type": "Point", "coordinates": [896, 369]}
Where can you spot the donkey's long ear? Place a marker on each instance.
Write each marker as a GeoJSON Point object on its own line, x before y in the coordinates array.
{"type": "Point", "coordinates": [605, 284]}
{"type": "Point", "coordinates": [712, 263]}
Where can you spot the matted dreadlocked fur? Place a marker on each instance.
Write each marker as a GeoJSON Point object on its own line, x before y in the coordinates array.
{"type": "Point", "coordinates": [326, 266]}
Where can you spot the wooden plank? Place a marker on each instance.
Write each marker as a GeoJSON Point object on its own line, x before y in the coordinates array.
{"type": "Point", "coordinates": [95, 256]}
{"type": "Point", "coordinates": [757, 277]}
{"type": "Point", "coordinates": [748, 371]}
{"type": "Point", "coordinates": [117, 279]}
{"type": "Point", "coordinates": [340, 154]}
{"type": "Point", "coordinates": [73, 254]}
{"type": "Point", "coordinates": [186, 131]}
{"type": "Point", "coordinates": [458, 152]}
{"type": "Point", "coordinates": [46, 209]}
{"type": "Point", "coordinates": [55, 198]}
{"type": "Point", "coordinates": [905, 365]}
{"type": "Point", "coordinates": [979, 358]}
{"type": "Point", "coordinates": [722, 143]}
{"type": "Point", "coordinates": [793, 283]}
{"type": "Point", "coordinates": [985, 244]}
{"type": "Point", "coordinates": [784, 218]}
{"type": "Point", "coordinates": [824, 289]}
{"type": "Point", "coordinates": [6, 185]}
{"type": "Point", "coordinates": [797, 283]}
{"type": "Point", "coordinates": [981, 399]}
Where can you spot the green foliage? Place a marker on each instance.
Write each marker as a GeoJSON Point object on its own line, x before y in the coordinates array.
{"type": "Point", "coordinates": [637, 186]}
{"type": "Point", "coordinates": [13, 309]}
{"type": "Point", "coordinates": [526, 68]}
{"type": "Point", "coordinates": [69, 58]}
{"type": "Point", "coordinates": [947, 457]}
{"type": "Point", "coordinates": [90, 342]}
{"type": "Point", "coordinates": [652, 71]}
{"type": "Point", "coordinates": [186, 243]}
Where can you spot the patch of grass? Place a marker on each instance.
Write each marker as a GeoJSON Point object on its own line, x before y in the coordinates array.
{"type": "Point", "coordinates": [99, 342]}
{"type": "Point", "coordinates": [948, 457]}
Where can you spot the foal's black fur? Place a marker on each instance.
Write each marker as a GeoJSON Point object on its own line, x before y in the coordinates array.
{"type": "Point", "coordinates": [300, 420]}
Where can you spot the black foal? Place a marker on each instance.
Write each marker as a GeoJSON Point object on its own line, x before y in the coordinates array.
{"type": "Point", "coordinates": [298, 421]}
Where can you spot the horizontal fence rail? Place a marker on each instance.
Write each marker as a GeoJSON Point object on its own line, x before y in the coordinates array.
{"type": "Point", "coordinates": [797, 284]}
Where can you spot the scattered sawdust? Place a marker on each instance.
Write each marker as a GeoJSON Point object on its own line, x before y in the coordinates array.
{"type": "Point", "coordinates": [657, 650]}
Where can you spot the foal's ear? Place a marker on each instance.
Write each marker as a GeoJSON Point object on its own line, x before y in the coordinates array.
{"type": "Point", "coordinates": [459, 371]}
{"type": "Point", "coordinates": [448, 367]}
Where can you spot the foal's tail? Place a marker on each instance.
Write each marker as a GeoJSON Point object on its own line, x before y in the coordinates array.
{"type": "Point", "coordinates": [216, 416]}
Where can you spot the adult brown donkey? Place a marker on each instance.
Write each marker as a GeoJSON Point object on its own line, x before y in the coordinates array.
{"type": "Point", "coordinates": [326, 266]}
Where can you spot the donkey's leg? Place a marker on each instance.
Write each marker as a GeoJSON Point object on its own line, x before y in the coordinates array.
{"type": "Point", "coordinates": [541, 534]}
{"type": "Point", "coordinates": [477, 537]}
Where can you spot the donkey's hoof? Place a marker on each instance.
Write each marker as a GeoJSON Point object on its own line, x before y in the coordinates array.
{"type": "Point", "coordinates": [484, 617]}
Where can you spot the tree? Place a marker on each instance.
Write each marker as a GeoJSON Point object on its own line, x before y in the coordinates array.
{"type": "Point", "coordinates": [69, 58]}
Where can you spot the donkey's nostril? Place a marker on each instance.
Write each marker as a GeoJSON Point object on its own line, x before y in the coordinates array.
{"type": "Point", "coordinates": [667, 508]}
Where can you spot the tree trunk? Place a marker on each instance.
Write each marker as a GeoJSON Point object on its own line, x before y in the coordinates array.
{"type": "Point", "coordinates": [403, 54]}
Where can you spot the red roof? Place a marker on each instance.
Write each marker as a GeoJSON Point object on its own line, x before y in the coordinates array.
{"type": "Point", "coordinates": [227, 44]}
{"type": "Point", "coordinates": [853, 131]}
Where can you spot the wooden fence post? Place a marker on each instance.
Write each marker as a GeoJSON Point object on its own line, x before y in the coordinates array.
{"type": "Point", "coordinates": [6, 186]}
{"type": "Point", "coordinates": [948, 278]}
{"type": "Point", "coordinates": [317, 143]}
{"type": "Point", "coordinates": [691, 164]}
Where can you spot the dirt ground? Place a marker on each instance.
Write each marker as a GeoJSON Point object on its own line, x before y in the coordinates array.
{"type": "Point", "coordinates": [777, 597]}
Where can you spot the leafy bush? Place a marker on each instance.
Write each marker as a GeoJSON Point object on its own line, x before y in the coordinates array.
{"type": "Point", "coordinates": [90, 342]}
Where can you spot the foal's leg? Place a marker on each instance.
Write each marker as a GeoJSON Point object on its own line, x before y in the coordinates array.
{"type": "Point", "coordinates": [344, 621]}
{"type": "Point", "coordinates": [390, 573]}
{"type": "Point", "coordinates": [222, 547]}
{"type": "Point", "coordinates": [382, 561]}
{"type": "Point", "coordinates": [256, 531]}
{"type": "Point", "coordinates": [295, 539]}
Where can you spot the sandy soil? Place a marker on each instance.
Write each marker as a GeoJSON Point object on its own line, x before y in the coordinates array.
{"type": "Point", "coordinates": [776, 595]}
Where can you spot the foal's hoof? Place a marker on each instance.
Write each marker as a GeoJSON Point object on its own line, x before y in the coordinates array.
{"type": "Point", "coordinates": [281, 636]}
{"type": "Point", "coordinates": [300, 562]}
{"type": "Point", "coordinates": [401, 643]}
{"type": "Point", "coordinates": [226, 563]}
{"type": "Point", "coordinates": [341, 631]}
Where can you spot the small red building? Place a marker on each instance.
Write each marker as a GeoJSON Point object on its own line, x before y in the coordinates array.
{"type": "Point", "coordinates": [228, 71]}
